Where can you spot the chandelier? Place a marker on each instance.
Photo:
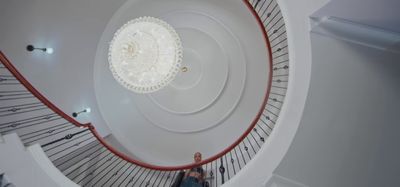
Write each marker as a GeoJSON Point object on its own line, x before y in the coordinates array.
{"type": "Point", "coordinates": [145, 55]}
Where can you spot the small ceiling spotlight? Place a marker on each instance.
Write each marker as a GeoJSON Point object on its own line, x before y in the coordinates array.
{"type": "Point", "coordinates": [86, 110]}
{"type": "Point", "coordinates": [46, 50]}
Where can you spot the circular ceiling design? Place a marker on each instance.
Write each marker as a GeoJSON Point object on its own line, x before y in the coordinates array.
{"type": "Point", "coordinates": [211, 88]}
{"type": "Point", "coordinates": [145, 54]}
{"type": "Point", "coordinates": [217, 92]}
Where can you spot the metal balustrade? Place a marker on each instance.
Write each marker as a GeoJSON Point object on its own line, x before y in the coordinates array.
{"type": "Point", "coordinates": [78, 151]}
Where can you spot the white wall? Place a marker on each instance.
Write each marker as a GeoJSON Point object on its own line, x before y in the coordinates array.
{"type": "Point", "coordinates": [29, 166]}
{"type": "Point", "coordinates": [296, 14]}
{"type": "Point", "coordinates": [383, 13]}
{"type": "Point", "coordinates": [73, 29]}
{"type": "Point", "coordinates": [348, 133]}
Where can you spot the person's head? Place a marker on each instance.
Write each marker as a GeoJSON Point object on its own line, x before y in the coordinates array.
{"type": "Point", "coordinates": [197, 157]}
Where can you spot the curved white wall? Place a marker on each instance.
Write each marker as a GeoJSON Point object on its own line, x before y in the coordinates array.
{"type": "Point", "coordinates": [348, 134]}
{"type": "Point", "coordinates": [296, 15]}
{"type": "Point", "coordinates": [29, 166]}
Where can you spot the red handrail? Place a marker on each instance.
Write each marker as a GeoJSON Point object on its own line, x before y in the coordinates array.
{"type": "Point", "coordinates": [36, 93]}
{"type": "Point", "coordinates": [123, 156]}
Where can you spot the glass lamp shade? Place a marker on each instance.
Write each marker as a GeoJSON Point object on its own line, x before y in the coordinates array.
{"type": "Point", "coordinates": [145, 55]}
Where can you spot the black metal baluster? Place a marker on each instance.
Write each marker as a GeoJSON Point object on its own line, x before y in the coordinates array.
{"type": "Point", "coordinates": [49, 130]}
{"type": "Point", "coordinates": [167, 177]}
{"type": "Point", "coordinates": [128, 175]}
{"type": "Point", "coordinates": [109, 162]}
{"type": "Point", "coordinates": [277, 63]}
{"type": "Point", "coordinates": [241, 153]}
{"type": "Point", "coordinates": [115, 173]}
{"type": "Point", "coordinates": [267, 118]}
{"type": "Point", "coordinates": [270, 112]}
{"type": "Point", "coordinates": [227, 166]}
{"type": "Point", "coordinates": [155, 180]}
{"type": "Point", "coordinates": [222, 170]}
{"type": "Point", "coordinates": [262, 139]}
{"type": "Point", "coordinates": [108, 170]}
{"type": "Point", "coordinates": [122, 173]}
{"type": "Point", "coordinates": [255, 6]}
{"type": "Point", "coordinates": [280, 41]}
{"type": "Point", "coordinates": [151, 177]}
{"type": "Point", "coordinates": [273, 17]}
{"type": "Point", "coordinates": [251, 145]}
{"type": "Point", "coordinates": [233, 163]}
{"type": "Point", "coordinates": [211, 173]}
{"type": "Point", "coordinates": [265, 10]}
{"type": "Point", "coordinates": [14, 110]}
{"type": "Point", "coordinates": [273, 106]}
{"type": "Point", "coordinates": [161, 178]}
{"type": "Point", "coordinates": [277, 51]}
{"type": "Point", "coordinates": [237, 159]}
{"type": "Point", "coordinates": [67, 128]}
{"type": "Point", "coordinates": [275, 31]}
{"type": "Point", "coordinates": [95, 165]}
{"type": "Point", "coordinates": [15, 96]}
{"type": "Point", "coordinates": [69, 157]}
{"type": "Point", "coordinates": [131, 180]}
{"type": "Point", "coordinates": [173, 177]}
{"type": "Point", "coordinates": [274, 26]}
{"type": "Point", "coordinates": [74, 145]}
{"type": "Point", "coordinates": [216, 173]}
{"type": "Point", "coordinates": [14, 124]}
{"type": "Point", "coordinates": [148, 173]}
{"type": "Point", "coordinates": [67, 137]}
{"type": "Point", "coordinates": [260, 8]}
{"type": "Point", "coordinates": [281, 55]}
{"type": "Point", "coordinates": [73, 178]}
{"type": "Point", "coordinates": [255, 140]}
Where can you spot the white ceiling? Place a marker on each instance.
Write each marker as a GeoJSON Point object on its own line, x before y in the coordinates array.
{"type": "Point", "coordinates": [218, 97]}
{"type": "Point", "coordinates": [76, 29]}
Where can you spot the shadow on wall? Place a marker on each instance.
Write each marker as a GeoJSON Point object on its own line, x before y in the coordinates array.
{"type": "Point", "coordinates": [4, 181]}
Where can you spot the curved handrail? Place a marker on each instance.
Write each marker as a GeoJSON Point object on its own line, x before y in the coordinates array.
{"type": "Point", "coordinates": [35, 92]}
{"type": "Point", "coordinates": [234, 144]}
{"type": "Point", "coordinates": [123, 156]}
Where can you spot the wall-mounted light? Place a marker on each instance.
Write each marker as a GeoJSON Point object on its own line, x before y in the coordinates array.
{"type": "Point", "coordinates": [46, 50]}
{"type": "Point", "coordinates": [86, 110]}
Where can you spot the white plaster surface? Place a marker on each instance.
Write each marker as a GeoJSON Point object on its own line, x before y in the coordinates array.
{"type": "Point", "coordinates": [167, 127]}
{"type": "Point", "coordinates": [348, 134]}
{"type": "Point", "coordinates": [296, 15]}
{"type": "Point", "coordinates": [29, 166]}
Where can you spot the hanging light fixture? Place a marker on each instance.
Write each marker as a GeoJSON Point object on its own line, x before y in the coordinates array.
{"type": "Point", "coordinates": [145, 55]}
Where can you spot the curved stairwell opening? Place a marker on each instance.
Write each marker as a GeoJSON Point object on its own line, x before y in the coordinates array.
{"type": "Point", "coordinates": [83, 156]}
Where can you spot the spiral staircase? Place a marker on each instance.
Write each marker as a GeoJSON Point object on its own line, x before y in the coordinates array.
{"type": "Point", "coordinates": [82, 155]}
{"type": "Point", "coordinates": [57, 150]}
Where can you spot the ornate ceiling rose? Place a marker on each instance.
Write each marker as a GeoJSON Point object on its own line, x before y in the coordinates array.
{"type": "Point", "coordinates": [145, 54]}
